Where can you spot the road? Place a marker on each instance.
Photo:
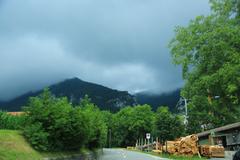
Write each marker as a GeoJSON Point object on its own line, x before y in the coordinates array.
{"type": "Point", "coordinates": [122, 154]}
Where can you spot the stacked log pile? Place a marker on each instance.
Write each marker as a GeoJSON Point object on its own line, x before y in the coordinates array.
{"type": "Point", "coordinates": [183, 146]}
{"type": "Point", "coordinates": [212, 151]}
{"type": "Point", "coordinates": [188, 145]}
{"type": "Point", "coordinates": [171, 147]}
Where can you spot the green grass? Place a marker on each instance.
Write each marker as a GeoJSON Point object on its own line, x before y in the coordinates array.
{"type": "Point", "coordinates": [13, 146]}
{"type": "Point", "coordinates": [64, 154]}
{"type": "Point", "coordinates": [177, 157]}
{"type": "Point", "coordinates": [173, 157]}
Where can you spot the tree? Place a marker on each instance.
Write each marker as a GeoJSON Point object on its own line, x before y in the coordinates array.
{"type": "Point", "coordinates": [53, 124]}
{"type": "Point", "coordinates": [168, 126]}
{"type": "Point", "coordinates": [208, 50]}
{"type": "Point", "coordinates": [97, 127]}
{"type": "Point", "coordinates": [108, 119]}
{"type": "Point", "coordinates": [130, 124]}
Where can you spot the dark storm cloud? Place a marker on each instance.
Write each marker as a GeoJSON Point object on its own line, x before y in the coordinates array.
{"type": "Point", "coordinates": [118, 43]}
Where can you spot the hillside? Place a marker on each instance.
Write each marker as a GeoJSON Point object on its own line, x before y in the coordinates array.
{"type": "Point", "coordinates": [169, 99]}
{"type": "Point", "coordinates": [13, 146]}
{"type": "Point", "coordinates": [75, 89]}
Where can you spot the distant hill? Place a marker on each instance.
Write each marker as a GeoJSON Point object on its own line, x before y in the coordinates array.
{"type": "Point", "coordinates": [169, 99]}
{"type": "Point", "coordinates": [105, 98]}
{"type": "Point", "coordinates": [75, 89]}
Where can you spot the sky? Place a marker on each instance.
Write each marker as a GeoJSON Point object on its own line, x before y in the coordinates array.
{"type": "Point", "coordinates": [121, 44]}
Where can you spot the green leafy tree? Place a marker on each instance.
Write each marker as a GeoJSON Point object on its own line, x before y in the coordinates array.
{"type": "Point", "coordinates": [97, 127]}
{"type": "Point", "coordinates": [208, 50]}
{"type": "Point", "coordinates": [130, 124]}
{"type": "Point", "coordinates": [168, 126]}
{"type": "Point", "coordinates": [108, 119]}
{"type": "Point", "coordinates": [53, 124]}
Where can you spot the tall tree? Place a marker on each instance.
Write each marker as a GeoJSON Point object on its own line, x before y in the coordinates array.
{"type": "Point", "coordinates": [208, 50]}
{"type": "Point", "coordinates": [97, 128]}
{"type": "Point", "coordinates": [168, 126]}
{"type": "Point", "coordinates": [130, 124]}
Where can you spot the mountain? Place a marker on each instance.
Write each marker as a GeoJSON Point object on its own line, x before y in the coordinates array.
{"type": "Point", "coordinates": [75, 89]}
{"type": "Point", "coordinates": [169, 99]}
{"type": "Point", "coordinates": [1, 103]}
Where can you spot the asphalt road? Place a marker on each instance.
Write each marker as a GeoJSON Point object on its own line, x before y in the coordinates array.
{"type": "Point", "coordinates": [121, 154]}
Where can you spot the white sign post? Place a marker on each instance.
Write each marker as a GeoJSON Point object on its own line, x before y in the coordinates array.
{"type": "Point", "coordinates": [148, 136]}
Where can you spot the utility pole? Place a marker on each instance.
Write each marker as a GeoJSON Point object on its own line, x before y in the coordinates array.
{"type": "Point", "coordinates": [186, 111]}
{"type": "Point", "coordinates": [109, 138]}
{"type": "Point", "coordinates": [148, 145]}
{"type": "Point", "coordinates": [180, 105]}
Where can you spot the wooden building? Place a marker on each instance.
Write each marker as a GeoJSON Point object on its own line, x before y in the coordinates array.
{"type": "Point", "coordinates": [227, 136]}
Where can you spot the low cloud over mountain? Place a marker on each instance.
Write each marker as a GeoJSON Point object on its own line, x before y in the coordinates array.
{"type": "Point", "coordinates": [120, 44]}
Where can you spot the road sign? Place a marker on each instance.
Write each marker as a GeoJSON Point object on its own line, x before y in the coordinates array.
{"type": "Point", "coordinates": [148, 135]}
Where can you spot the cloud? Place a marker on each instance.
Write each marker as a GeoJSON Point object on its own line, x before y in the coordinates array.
{"type": "Point", "coordinates": [120, 44]}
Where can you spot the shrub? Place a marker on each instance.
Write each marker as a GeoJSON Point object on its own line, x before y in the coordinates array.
{"type": "Point", "coordinates": [37, 136]}
{"type": "Point", "coordinates": [53, 124]}
{"type": "Point", "coordinates": [8, 121]}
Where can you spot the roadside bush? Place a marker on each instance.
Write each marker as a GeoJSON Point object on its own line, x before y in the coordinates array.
{"type": "Point", "coordinates": [53, 124]}
{"type": "Point", "coordinates": [8, 121]}
{"type": "Point", "coordinates": [37, 136]}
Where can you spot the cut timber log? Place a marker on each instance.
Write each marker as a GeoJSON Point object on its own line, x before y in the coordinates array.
{"type": "Point", "coordinates": [171, 147]}
{"type": "Point", "coordinates": [186, 146]}
{"type": "Point", "coordinates": [212, 151]}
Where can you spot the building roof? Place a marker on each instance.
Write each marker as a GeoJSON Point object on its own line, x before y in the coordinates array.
{"type": "Point", "coordinates": [223, 128]}
{"type": "Point", "coordinates": [15, 113]}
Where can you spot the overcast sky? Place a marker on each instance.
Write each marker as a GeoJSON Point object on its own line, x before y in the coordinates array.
{"type": "Point", "coordinates": [121, 44]}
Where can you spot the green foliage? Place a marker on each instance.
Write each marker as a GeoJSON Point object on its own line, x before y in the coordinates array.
{"type": "Point", "coordinates": [97, 128]}
{"type": "Point", "coordinates": [168, 126]}
{"type": "Point", "coordinates": [208, 50]}
{"type": "Point", "coordinates": [130, 124]}
{"type": "Point", "coordinates": [228, 8]}
{"type": "Point", "coordinates": [8, 121]}
{"type": "Point", "coordinates": [37, 136]}
{"type": "Point", "coordinates": [53, 124]}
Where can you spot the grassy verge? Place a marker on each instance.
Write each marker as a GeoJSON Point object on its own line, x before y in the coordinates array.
{"type": "Point", "coordinates": [63, 154]}
{"type": "Point", "coordinates": [177, 157]}
{"type": "Point", "coordinates": [174, 157]}
{"type": "Point", "coordinates": [13, 146]}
